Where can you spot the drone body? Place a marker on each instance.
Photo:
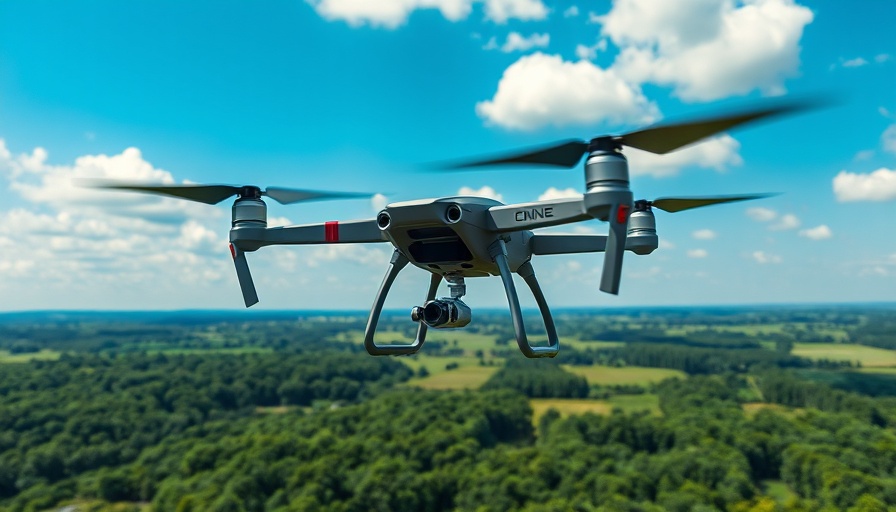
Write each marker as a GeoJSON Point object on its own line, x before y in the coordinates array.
{"type": "Point", "coordinates": [454, 238]}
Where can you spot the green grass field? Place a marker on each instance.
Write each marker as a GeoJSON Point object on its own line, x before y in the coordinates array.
{"type": "Point", "coordinates": [627, 375]}
{"type": "Point", "coordinates": [867, 356]}
{"type": "Point", "coordinates": [43, 355]}
{"type": "Point", "coordinates": [464, 377]}
{"type": "Point", "coordinates": [570, 406]}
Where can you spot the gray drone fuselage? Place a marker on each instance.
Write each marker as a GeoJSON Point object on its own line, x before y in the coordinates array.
{"type": "Point", "coordinates": [450, 236]}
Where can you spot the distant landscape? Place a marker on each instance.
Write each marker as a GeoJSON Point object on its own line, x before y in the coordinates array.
{"type": "Point", "coordinates": [710, 408]}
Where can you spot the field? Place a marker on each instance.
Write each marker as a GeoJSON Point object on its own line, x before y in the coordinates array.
{"type": "Point", "coordinates": [566, 406]}
{"type": "Point", "coordinates": [43, 355]}
{"type": "Point", "coordinates": [464, 377]}
{"type": "Point", "coordinates": [627, 375]}
{"type": "Point", "coordinates": [867, 356]}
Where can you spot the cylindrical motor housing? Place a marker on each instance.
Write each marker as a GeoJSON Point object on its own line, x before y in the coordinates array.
{"type": "Point", "coordinates": [641, 238]}
{"type": "Point", "coordinates": [250, 211]}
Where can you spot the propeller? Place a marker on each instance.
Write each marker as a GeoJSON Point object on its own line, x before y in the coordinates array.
{"type": "Point", "coordinates": [660, 138]}
{"type": "Point", "coordinates": [678, 204]}
{"type": "Point", "coordinates": [214, 194]}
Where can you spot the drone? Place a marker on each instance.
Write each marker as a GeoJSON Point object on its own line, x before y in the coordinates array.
{"type": "Point", "coordinates": [454, 238]}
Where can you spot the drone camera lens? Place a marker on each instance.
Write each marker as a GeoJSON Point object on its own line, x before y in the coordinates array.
{"type": "Point", "coordinates": [435, 313]}
{"type": "Point", "coordinates": [453, 213]}
{"type": "Point", "coordinates": [383, 220]}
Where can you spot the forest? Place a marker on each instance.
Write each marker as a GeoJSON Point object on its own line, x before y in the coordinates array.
{"type": "Point", "coordinates": [681, 409]}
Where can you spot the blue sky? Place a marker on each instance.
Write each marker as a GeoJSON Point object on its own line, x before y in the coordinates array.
{"type": "Point", "coordinates": [354, 95]}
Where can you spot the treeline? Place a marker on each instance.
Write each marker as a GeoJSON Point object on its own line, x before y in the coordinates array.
{"type": "Point", "coordinates": [786, 389]}
{"type": "Point", "coordinates": [539, 378]}
{"type": "Point", "coordinates": [137, 428]}
{"type": "Point", "coordinates": [702, 361]}
{"type": "Point", "coordinates": [63, 419]}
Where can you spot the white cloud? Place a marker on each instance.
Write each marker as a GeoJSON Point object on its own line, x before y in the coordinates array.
{"type": "Point", "coordinates": [888, 139]}
{"type": "Point", "coordinates": [391, 14]}
{"type": "Point", "coordinates": [544, 90]}
{"type": "Point", "coordinates": [879, 185]}
{"type": "Point", "coordinates": [555, 193]}
{"type": "Point", "coordinates": [704, 234]}
{"type": "Point", "coordinates": [717, 153]}
{"type": "Point", "coordinates": [761, 214]}
{"type": "Point", "coordinates": [785, 222]}
{"type": "Point", "coordinates": [763, 257]}
{"type": "Point", "coordinates": [865, 154]}
{"type": "Point", "coordinates": [360, 254]}
{"type": "Point", "coordinates": [516, 42]}
{"type": "Point", "coordinates": [386, 13]}
{"type": "Point", "coordinates": [500, 11]}
{"type": "Point", "coordinates": [378, 202]}
{"type": "Point", "coordinates": [821, 232]}
{"type": "Point", "coordinates": [882, 57]}
{"type": "Point", "coordinates": [855, 63]}
{"type": "Point", "coordinates": [69, 235]}
{"type": "Point", "coordinates": [485, 191]}
{"type": "Point", "coordinates": [585, 52]}
{"type": "Point", "coordinates": [697, 253]}
{"type": "Point", "coordinates": [572, 12]}
{"type": "Point", "coordinates": [708, 49]}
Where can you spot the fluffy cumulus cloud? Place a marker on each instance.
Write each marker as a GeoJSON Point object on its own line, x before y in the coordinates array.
{"type": "Point", "coordinates": [485, 191]}
{"type": "Point", "coordinates": [821, 232]}
{"type": "Point", "coordinates": [393, 13]}
{"type": "Point", "coordinates": [704, 234]}
{"type": "Point", "coordinates": [516, 42]}
{"type": "Point", "coordinates": [544, 90]}
{"type": "Point", "coordinates": [879, 185]}
{"type": "Point", "coordinates": [764, 258]}
{"type": "Point", "coordinates": [71, 234]}
{"type": "Point", "coordinates": [888, 139]}
{"type": "Point", "coordinates": [500, 11]}
{"type": "Point", "coordinates": [775, 222]}
{"type": "Point", "coordinates": [697, 253]}
{"type": "Point", "coordinates": [786, 222]}
{"type": "Point", "coordinates": [556, 193]}
{"type": "Point", "coordinates": [707, 49]}
{"type": "Point", "coordinates": [761, 214]}
{"type": "Point", "coordinates": [717, 153]}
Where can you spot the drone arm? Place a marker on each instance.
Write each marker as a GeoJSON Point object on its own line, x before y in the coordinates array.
{"type": "Point", "coordinates": [539, 214]}
{"type": "Point", "coordinates": [498, 251]}
{"type": "Point", "coordinates": [567, 244]}
{"type": "Point", "coordinates": [251, 238]}
{"type": "Point", "coordinates": [398, 262]}
{"type": "Point", "coordinates": [637, 243]}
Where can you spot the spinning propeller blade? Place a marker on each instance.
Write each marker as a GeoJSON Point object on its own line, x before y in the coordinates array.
{"type": "Point", "coordinates": [660, 138]}
{"type": "Point", "coordinates": [208, 194]}
{"type": "Point", "coordinates": [291, 195]}
{"type": "Point", "coordinates": [244, 276]}
{"type": "Point", "coordinates": [678, 204]}
{"type": "Point", "coordinates": [562, 154]}
{"type": "Point", "coordinates": [214, 194]}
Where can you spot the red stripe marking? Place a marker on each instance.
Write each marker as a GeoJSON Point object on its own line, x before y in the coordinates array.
{"type": "Point", "coordinates": [232, 252]}
{"type": "Point", "coordinates": [622, 214]}
{"type": "Point", "coordinates": [331, 231]}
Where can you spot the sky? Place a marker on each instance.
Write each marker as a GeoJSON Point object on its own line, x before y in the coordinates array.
{"type": "Point", "coordinates": [364, 96]}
